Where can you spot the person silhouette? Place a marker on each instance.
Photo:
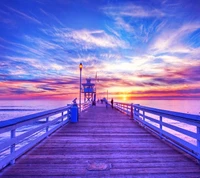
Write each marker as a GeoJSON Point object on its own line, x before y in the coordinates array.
{"type": "Point", "coordinates": [112, 102]}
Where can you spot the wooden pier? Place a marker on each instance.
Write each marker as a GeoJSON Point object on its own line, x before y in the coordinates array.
{"type": "Point", "coordinates": [104, 143]}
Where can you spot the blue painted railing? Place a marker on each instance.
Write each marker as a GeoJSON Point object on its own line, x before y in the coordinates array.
{"type": "Point", "coordinates": [20, 134]}
{"type": "Point", "coordinates": [180, 129]}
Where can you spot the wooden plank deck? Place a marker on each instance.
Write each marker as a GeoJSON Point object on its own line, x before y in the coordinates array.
{"type": "Point", "coordinates": [103, 136]}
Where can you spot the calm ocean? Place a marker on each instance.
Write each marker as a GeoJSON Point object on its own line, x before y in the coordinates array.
{"type": "Point", "coordinates": [10, 109]}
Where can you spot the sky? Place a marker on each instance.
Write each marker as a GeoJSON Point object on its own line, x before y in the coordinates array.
{"type": "Point", "coordinates": [138, 49]}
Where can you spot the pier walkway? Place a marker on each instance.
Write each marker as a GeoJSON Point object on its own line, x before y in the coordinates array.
{"type": "Point", "coordinates": [104, 143]}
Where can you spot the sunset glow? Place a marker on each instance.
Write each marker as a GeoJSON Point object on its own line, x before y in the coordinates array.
{"type": "Point", "coordinates": [138, 49]}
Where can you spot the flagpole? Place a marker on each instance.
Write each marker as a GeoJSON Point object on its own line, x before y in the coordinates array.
{"type": "Point", "coordinates": [107, 94]}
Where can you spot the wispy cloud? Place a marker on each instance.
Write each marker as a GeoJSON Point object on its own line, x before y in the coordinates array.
{"type": "Point", "coordinates": [171, 39]}
{"type": "Point", "coordinates": [92, 39]}
{"type": "Point", "coordinates": [120, 22]}
{"type": "Point", "coordinates": [51, 16]}
{"type": "Point", "coordinates": [24, 15]}
{"type": "Point", "coordinates": [132, 10]}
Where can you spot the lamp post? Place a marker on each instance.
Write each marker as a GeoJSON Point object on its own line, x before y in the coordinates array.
{"type": "Point", "coordinates": [80, 67]}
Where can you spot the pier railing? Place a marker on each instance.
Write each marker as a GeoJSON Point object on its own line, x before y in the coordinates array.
{"type": "Point", "coordinates": [124, 107]}
{"type": "Point", "coordinates": [20, 134]}
{"type": "Point", "coordinates": [180, 129]}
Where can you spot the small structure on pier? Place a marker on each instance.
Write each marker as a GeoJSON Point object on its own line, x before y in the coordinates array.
{"type": "Point", "coordinates": [89, 90]}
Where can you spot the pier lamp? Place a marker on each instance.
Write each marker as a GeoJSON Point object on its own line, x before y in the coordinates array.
{"type": "Point", "coordinates": [80, 67]}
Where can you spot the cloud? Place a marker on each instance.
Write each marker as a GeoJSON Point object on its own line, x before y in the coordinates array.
{"type": "Point", "coordinates": [171, 39]}
{"type": "Point", "coordinates": [24, 15]}
{"type": "Point", "coordinates": [170, 92]}
{"type": "Point", "coordinates": [92, 39]}
{"type": "Point", "coordinates": [121, 23]}
{"type": "Point", "coordinates": [51, 16]}
{"type": "Point", "coordinates": [19, 91]}
{"type": "Point", "coordinates": [169, 81]}
{"type": "Point", "coordinates": [56, 67]}
{"type": "Point", "coordinates": [131, 10]}
{"type": "Point", "coordinates": [134, 20]}
{"type": "Point", "coordinates": [40, 88]}
{"type": "Point", "coordinates": [113, 31]}
{"type": "Point", "coordinates": [44, 87]}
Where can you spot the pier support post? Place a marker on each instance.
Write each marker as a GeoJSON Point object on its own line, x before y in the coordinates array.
{"type": "Point", "coordinates": [62, 116]}
{"type": "Point", "coordinates": [12, 148]}
{"type": "Point", "coordinates": [160, 126]}
{"type": "Point", "coordinates": [47, 127]}
{"type": "Point", "coordinates": [143, 116]}
{"type": "Point", "coordinates": [131, 110]}
{"type": "Point", "coordinates": [135, 115]}
{"type": "Point", "coordinates": [136, 112]}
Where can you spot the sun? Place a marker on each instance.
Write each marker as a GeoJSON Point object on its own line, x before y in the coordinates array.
{"type": "Point", "coordinates": [124, 97]}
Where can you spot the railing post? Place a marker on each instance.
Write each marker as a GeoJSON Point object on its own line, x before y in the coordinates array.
{"type": "Point", "coordinates": [134, 114]}
{"type": "Point", "coordinates": [69, 114]}
{"type": "Point", "coordinates": [47, 127]}
{"type": "Point", "coordinates": [132, 110]}
{"type": "Point", "coordinates": [160, 126]}
{"type": "Point", "coordinates": [62, 116]}
{"type": "Point", "coordinates": [198, 144]}
{"type": "Point", "coordinates": [143, 115]}
{"type": "Point", "coordinates": [12, 147]}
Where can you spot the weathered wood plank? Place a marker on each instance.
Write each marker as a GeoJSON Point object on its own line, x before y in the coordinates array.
{"type": "Point", "coordinates": [103, 135]}
{"type": "Point", "coordinates": [94, 174]}
{"type": "Point", "coordinates": [137, 160]}
{"type": "Point", "coordinates": [81, 171]}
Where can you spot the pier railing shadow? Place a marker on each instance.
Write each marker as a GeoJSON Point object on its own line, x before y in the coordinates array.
{"type": "Point", "coordinates": [180, 129]}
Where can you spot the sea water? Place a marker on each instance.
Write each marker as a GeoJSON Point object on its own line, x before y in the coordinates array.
{"type": "Point", "coordinates": [10, 109]}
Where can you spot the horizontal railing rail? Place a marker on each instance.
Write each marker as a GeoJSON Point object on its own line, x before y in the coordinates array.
{"type": "Point", "coordinates": [180, 129]}
{"type": "Point", "coordinates": [20, 134]}
{"type": "Point", "coordinates": [124, 107]}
